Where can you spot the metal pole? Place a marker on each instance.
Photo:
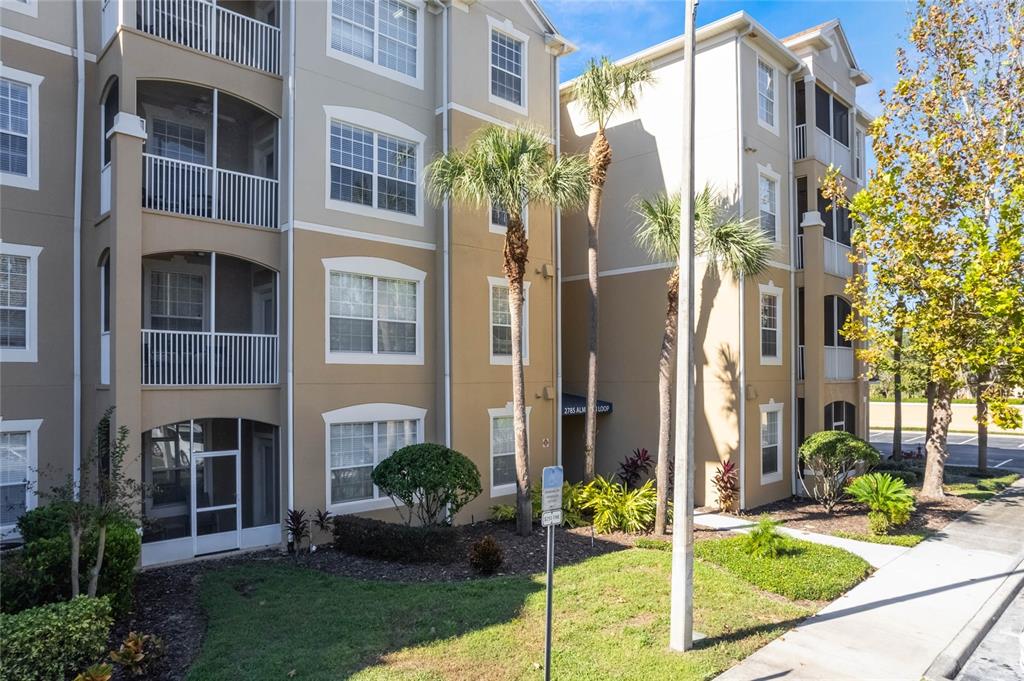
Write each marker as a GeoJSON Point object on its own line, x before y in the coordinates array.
{"type": "Point", "coordinates": [681, 626]}
{"type": "Point", "coordinates": [547, 630]}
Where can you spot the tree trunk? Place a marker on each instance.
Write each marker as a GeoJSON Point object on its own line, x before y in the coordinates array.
{"type": "Point", "coordinates": [76, 549]}
{"type": "Point", "coordinates": [666, 371]}
{"type": "Point", "coordinates": [936, 451]}
{"type": "Point", "coordinates": [982, 418]}
{"type": "Point", "coordinates": [929, 412]}
{"type": "Point", "coordinates": [515, 258]}
{"type": "Point", "coordinates": [897, 397]}
{"type": "Point", "coordinates": [94, 573]}
{"type": "Point", "coordinates": [600, 157]}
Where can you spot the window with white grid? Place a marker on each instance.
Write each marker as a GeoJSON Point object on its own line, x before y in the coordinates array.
{"type": "Point", "coordinates": [176, 301]}
{"type": "Point", "coordinates": [771, 442]}
{"type": "Point", "coordinates": [503, 452]}
{"type": "Point", "coordinates": [766, 94]}
{"type": "Point", "coordinates": [501, 322]}
{"type": "Point", "coordinates": [364, 162]}
{"type": "Point", "coordinates": [15, 127]}
{"type": "Point", "coordinates": [767, 199]}
{"type": "Point", "coordinates": [506, 68]}
{"type": "Point", "coordinates": [380, 32]}
{"type": "Point", "coordinates": [14, 302]}
{"type": "Point", "coordinates": [498, 219]}
{"type": "Point", "coordinates": [14, 477]}
{"type": "Point", "coordinates": [373, 315]}
{"type": "Point", "coordinates": [356, 448]}
{"type": "Point", "coordinates": [769, 326]}
{"type": "Point", "coordinates": [179, 141]}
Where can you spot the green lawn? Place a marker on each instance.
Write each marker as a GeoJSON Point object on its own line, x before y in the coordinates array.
{"type": "Point", "coordinates": [966, 482]}
{"type": "Point", "coordinates": [894, 539]}
{"type": "Point", "coordinates": [611, 622]}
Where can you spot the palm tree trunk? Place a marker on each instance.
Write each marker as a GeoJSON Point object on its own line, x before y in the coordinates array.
{"type": "Point", "coordinates": [897, 397]}
{"type": "Point", "coordinates": [600, 157]}
{"type": "Point", "coordinates": [515, 255]}
{"type": "Point", "coordinates": [935, 446]}
{"type": "Point", "coordinates": [666, 370]}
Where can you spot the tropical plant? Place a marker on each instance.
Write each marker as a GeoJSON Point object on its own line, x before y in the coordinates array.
{"type": "Point", "coordinates": [96, 672]}
{"type": "Point", "coordinates": [503, 513]}
{"type": "Point", "coordinates": [297, 525]}
{"type": "Point", "coordinates": [486, 556]}
{"type": "Point", "coordinates": [727, 485]}
{"type": "Point", "coordinates": [889, 501]}
{"type": "Point", "coordinates": [635, 467]}
{"type": "Point", "coordinates": [512, 168]}
{"type": "Point", "coordinates": [765, 540]}
{"type": "Point", "coordinates": [601, 91]}
{"type": "Point", "coordinates": [616, 508]}
{"type": "Point", "coordinates": [322, 520]}
{"type": "Point", "coordinates": [832, 456]}
{"type": "Point", "coordinates": [138, 652]}
{"type": "Point", "coordinates": [738, 247]}
{"type": "Point", "coordinates": [432, 481]}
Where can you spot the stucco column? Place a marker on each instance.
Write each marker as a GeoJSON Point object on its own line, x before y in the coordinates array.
{"type": "Point", "coordinates": [809, 117]}
{"type": "Point", "coordinates": [814, 322]}
{"type": "Point", "coordinates": [126, 138]}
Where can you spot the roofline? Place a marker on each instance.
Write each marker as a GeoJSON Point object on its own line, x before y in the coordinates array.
{"type": "Point", "coordinates": [740, 21]}
{"type": "Point", "coordinates": [858, 75]}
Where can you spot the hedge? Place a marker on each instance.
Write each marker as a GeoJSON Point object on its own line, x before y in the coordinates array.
{"type": "Point", "coordinates": [54, 641]}
{"type": "Point", "coordinates": [392, 541]}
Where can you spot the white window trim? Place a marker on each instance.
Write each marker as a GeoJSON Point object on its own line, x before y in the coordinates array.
{"type": "Point", "coordinates": [420, 6]}
{"type": "Point", "coordinates": [176, 266]}
{"type": "Point", "coordinates": [775, 94]}
{"type": "Point", "coordinates": [33, 81]}
{"type": "Point", "coordinates": [506, 26]}
{"type": "Point", "coordinates": [500, 229]}
{"type": "Point", "coordinates": [378, 123]}
{"type": "Point", "coordinates": [766, 172]}
{"type": "Point", "coordinates": [372, 267]}
{"type": "Point", "coordinates": [772, 406]}
{"type": "Point", "coordinates": [507, 410]}
{"type": "Point", "coordinates": [29, 7]}
{"type": "Point", "coordinates": [770, 289]}
{"type": "Point", "coordinates": [30, 426]}
{"type": "Point", "coordinates": [363, 413]}
{"type": "Point", "coordinates": [30, 353]}
{"type": "Point", "coordinates": [506, 360]}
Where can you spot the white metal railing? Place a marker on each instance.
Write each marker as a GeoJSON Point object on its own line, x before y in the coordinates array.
{"type": "Point", "coordinates": [837, 260]}
{"type": "Point", "coordinates": [799, 251]}
{"type": "Point", "coordinates": [105, 358]}
{"type": "Point", "coordinates": [800, 141]}
{"type": "Point", "coordinates": [105, 189]}
{"type": "Point", "coordinates": [838, 363]}
{"type": "Point", "coordinates": [801, 369]}
{"type": "Point", "coordinates": [208, 358]}
{"type": "Point", "coordinates": [201, 191]}
{"type": "Point", "coordinates": [203, 25]}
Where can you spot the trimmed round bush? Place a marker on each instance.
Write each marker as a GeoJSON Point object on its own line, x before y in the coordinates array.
{"type": "Point", "coordinates": [833, 455]}
{"type": "Point", "coordinates": [431, 480]}
{"type": "Point", "coordinates": [54, 641]}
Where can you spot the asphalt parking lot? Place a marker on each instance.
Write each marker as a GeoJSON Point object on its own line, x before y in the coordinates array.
{"type": "Point", "coordinates": [1005, 452]}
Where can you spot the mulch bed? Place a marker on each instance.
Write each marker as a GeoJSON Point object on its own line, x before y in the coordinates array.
{"type": "Point", "coordinates": [167, 598]}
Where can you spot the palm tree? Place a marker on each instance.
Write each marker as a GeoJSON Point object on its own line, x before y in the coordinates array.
{"type": "Point", "coordinates": [602, 90]}
{"type": "Point", "coordinates": [512, 168]}
{"type": "Point", "coordinates": [737, 246]}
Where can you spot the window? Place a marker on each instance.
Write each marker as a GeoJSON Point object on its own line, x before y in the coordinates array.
{"type": "Point", "coordinates": [498, 222]}
{"type": "Point", "coordinates": [111, 107]}
{"type": "Point", "coordinates": [768, 202]}
{"type": "Point", "coordinates": [19, 128]}
{"type": "Point", "coordinates": [822, 110]}
{"type": "Point", "coordinates": [836, 312]}
{"type": "Point", "coordinates": [831, 116]}
{"type": "Point", "coordinates": [501, 322]}
{"type": "Point", "coordinates": [18, 471]}
{"type": "Point", "coordinates": [382, 35]}
{"type": "Point", "coordinates": [771, 442]}
{"type": "Point", "coordinates": [841, 122]}
{"type": "Point", "coordinates": [18, 302]}
{"type": "Point", "coordinates": [357, 439]}
{"type": "Point", "coordinates": [766, 94]}
{"type": "Point", "coordinates": [858, 154]}
{"type": "Point", "coordinates": [503, 450]}
{"type": "Point", "coordinates": [841, 416]}
{"type": "Point", "coordinates": [508, 65]}
{"type": "Point", "coordinates": [838, 221]}
{"type": "Point", "coordinates": [374, 312]}
{"type": "Point", "coordinates": [179, 141]}
{"type": "Point", "coordinates": [175, 301]}
{"type": "Point", "coordinates": [365, 163]}
{"type": "Point", "coordinates": [771, 324]}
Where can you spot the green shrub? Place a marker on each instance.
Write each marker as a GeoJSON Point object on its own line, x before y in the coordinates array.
{"type": "Point", "coordinates": [432, 481]}
{"type": "Point", "coordinates": [833, 455]}
{"type": "Point", "coordinates": [616, 508]}
{"type": "Point", "coordinates": [138, 653]}
{"type": "Point", "coordinates": [653, 544]}
{"type": "Point", "coordinates": [486, 556]}
{"type": "Point", "coordinates": [53, 641]}
{"type": "Point", "coordinates": [887, 498]}
{"type": "Point", "coordinates": [44, 522]}
{"type": "Point", "coordinates": [504, 513]}
{"type": "Point", "coordinates": [573, 496]}
{"type": "Point", "coordinates": [765, 540]}
{"type": "Point", "coordinates": [393, 541]}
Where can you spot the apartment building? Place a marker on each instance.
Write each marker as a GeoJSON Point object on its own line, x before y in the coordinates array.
{"type": "Point", "coordinates": [771, 115]}
{"type": "Point", "coordinates": [214, 219]}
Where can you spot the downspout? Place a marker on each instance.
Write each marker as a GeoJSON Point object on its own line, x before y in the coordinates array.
{"type": "Point", "coordinates": [76, 445]}
{"type": "Point", "coordinates": [742, 406]}
{"type": "Point", "coordinates": [445, 238]}
{"type": "Point", "coordinates": [556, 110]}
{"type": "Point", "coordinates": [792, 276]}
{"type": "Point", "coordinates": [290, 359]}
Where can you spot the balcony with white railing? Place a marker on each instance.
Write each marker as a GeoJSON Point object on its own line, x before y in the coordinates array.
{"type": "Point", "coordinates": [837, 260]}
{"type": "Point", "coordinates": [800, 251]}
{"type": "Point", "coordinates": [245, 34]}
{"type": "Point", "coordinates": [839, 364]}
{"type": "Point", "coordinates": [211, 320]}
{"type": "Point", "coordinates": [800, 142]}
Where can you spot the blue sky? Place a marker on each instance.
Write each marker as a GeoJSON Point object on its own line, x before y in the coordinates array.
{"type": "Point", "coordinates": [620, 27]}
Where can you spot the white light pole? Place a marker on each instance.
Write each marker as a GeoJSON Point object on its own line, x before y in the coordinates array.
{"type": "Point", "coordinates": [681, 627]}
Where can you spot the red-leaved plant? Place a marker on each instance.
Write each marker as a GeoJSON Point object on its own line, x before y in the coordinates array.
{"type": "Point", "coordinates": [635, 468]}
{"type": "Point", "coordinates": [727, 485]}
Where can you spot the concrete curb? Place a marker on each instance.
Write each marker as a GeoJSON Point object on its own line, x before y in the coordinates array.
{"type": "Point", "coordinates": [950, 661]}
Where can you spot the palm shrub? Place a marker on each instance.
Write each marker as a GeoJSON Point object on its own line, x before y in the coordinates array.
{"type": "Point", "coordinates": [833, 455]}
{"type": "Point", "coordinates": [616, 508]}
{"type": "Point", "coordinates": [765, 540]}
{"type": "Point", "coordinates": [889, 501]}
{"type": "Point", "coordinates": [432, 481]}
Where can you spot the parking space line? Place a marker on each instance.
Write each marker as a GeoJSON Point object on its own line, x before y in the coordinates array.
{"type": "Point", "coordinates": [967, 441]}
{"type": "Point", "coordinates": [918, 438]}
{"type": "Point", "coordinates": [1003, 463]}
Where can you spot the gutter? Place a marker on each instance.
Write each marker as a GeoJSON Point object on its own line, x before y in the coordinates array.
{"type": "Point", "coordinates": [445, 237]}
{"type": "Point", "coordinates": [794, 338]}
{"type": "Point", "coordinates": [742, 406]}
{"type": "Point", "coordinates": [290, 359]}
{"type": "Point", "coordinates": [76, 430]}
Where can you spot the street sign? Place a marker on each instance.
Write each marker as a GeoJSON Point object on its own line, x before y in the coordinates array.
{"type": "Point", "coordinates": [549, 518]}
{"type": "Point", "coordinates": [551, 489]}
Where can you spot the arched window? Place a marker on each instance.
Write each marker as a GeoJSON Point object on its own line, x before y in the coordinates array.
{"type": "Point", "coordinates": [841, 416]}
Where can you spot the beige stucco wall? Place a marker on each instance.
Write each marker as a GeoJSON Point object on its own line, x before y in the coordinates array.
{"type": "Point", "coordinates": [914, 416]}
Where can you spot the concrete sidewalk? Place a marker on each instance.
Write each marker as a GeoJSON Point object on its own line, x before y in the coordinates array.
{"type": "Point", "coordinates": [876, 555]}
{"type": "Point", "coordinates": [895, 623]}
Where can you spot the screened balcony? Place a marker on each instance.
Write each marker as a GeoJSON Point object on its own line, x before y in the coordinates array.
{"type": "Point", "coordinates": [208, 155]}
{"type": "Point", "coordinates": [208, 319]}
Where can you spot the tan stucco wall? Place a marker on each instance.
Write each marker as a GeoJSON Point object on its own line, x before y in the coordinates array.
{"type": "Point", "coordinates": [914, 415]}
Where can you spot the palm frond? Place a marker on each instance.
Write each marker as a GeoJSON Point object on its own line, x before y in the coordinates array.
{"type": "Point", "coordinates": [606, 87]}
{"type": "Point", "coordinates": [658, 233]}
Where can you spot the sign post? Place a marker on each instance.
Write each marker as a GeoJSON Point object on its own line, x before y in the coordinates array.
{"type": "Point", "coordinates": [550, 516]}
